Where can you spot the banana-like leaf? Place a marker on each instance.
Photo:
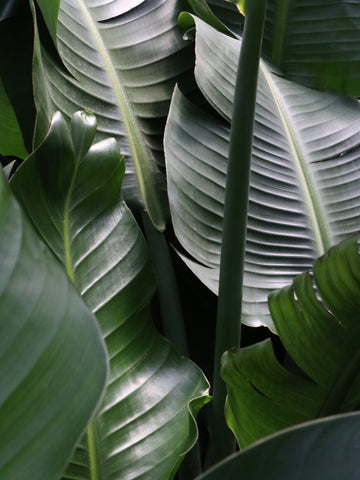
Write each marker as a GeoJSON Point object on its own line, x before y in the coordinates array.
{"type": "Point", "coordinates": [316, 42]}
{"type": "Point", "coordinates": [305, 174]}
{"type": "Point", "coordinates": [122, 61]}
{"type": "Point", "coordinates": [327, 448]}
{"type": "Point", "coordinates": [53, 362]}
{"type": "Point", "coordinates": [321, 333]}
{"type": "Point", "coordinates": [72, 194]}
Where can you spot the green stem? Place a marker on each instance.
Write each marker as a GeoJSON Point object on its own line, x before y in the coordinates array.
{"type": "Point", "coordinates": [172, 319]}
{"type": "Point", "coordinates": [235, 219]}
{"type": "Point", "coordinates": [170, 304]}
{"type": "Point", "coordinates": [93, 452]}
{"type": "Point", "coordinates": [92, 443]}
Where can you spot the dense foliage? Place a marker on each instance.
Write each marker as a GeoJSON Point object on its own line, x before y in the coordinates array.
{"type": "Point", "coordinates": [177, 173]}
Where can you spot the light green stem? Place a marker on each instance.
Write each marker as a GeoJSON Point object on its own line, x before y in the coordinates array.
{"type": "Point", "coordinates": [93, 452]}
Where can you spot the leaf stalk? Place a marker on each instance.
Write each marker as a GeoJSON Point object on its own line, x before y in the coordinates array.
{"type": "Point", "coordinates": [235, 219]}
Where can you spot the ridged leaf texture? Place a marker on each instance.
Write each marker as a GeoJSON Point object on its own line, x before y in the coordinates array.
{"type": "Point", "coordinates": [71, 191]}
{"type": "Point", "coordinates": [122, 60]}
{"type": "Point", "coordinates": [317, 318]}
{"type": "Point", "coordinates": [305, 180]}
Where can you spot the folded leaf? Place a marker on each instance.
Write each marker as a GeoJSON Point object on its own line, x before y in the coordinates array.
{"type": "Point", "coordinates": [53, 363]}
{"type": "Point", "coordinates": [305, 180]}
{"type": "Point", "coordinates": [72, 194]}
{"type": "Point", "coordinates": [327, 448]}
{"type": "Point", "coordinates": [321, 334]}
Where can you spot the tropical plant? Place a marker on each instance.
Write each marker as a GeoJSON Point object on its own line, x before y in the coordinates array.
{"type": "Point", "coordinates": [248, 160]}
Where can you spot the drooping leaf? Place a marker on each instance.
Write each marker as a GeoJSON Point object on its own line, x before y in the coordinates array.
{"type": "Point", "coordinates": [123, 59]}
{"type": "Point", "coordinates": [72, 194]}
{"type": "Point", "coordinates": [305, 180]}
{"type": "Point", "coordinates": [53, 363]}
{"type": "Point", "coordinates": [327, 448]}
{"type": "Point", "coordinates": [320, 334]}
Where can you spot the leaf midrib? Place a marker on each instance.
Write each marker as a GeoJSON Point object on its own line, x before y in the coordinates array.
{"type": "Point", "coordinates": [316, 214]}
{"type": "Point", "coordinates": [139, 151]}
{"type": "Point", "coordinates": [91, 435]}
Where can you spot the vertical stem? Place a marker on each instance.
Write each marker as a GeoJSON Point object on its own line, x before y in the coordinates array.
{"type": "Point", "coordinates": [235, 219]}
{"type": "Point", "coordinates": [170, 304]}
{"type": "Point", "coordinates": [93, 452]}
{"type": "Point", "coordinates": [172, 318]}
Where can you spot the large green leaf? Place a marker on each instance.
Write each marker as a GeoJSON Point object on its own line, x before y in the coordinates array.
{"type": "Point", "coordinates": [305, 180]}
{"type": "Point", "coordinates": [145, 423]}
{"type": "Point", "coordinates": [322, 449]}
{"type": "Point", "coordinates": [316, 42]}
{"type": "Point", "coordinates": [52, 358]}
{"type": "Point", "coordinates": [123, 59]}
{"type": "Point", "coordinates": [321, 333]}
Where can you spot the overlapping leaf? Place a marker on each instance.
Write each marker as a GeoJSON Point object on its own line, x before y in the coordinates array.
{"type": "Point", "coordinates": [145, 423]}
{"type": "Point", "coordinates": [123, 59]}
{"type": "Point", "coordinates": [53, 362]}
{"type": "Point", "coordinates": [322, 449]}
{"type": "Point", "coordinates": [320, 334]}
{"type": "Point", "coordinates": [305, 180]}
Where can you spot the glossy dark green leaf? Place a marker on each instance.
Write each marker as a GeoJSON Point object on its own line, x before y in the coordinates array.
{"type": "Point", "coordinates": [321, 333]}
{"type": "Point", "coordinates": [328, 448]}
{"type": "Point", "coordinates": [53, 363]}
{"type": "Point", "coordinates": [145, 423]}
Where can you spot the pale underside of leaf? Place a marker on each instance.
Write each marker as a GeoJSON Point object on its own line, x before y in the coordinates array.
{"type": "Point", "coordinates": [123, 64]}
{"type": "Point", "coordinates": [304, 190]}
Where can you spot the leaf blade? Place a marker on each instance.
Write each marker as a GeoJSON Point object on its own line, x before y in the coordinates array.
{"type": "Point", "coordinates": [40, 386]}
{"type": "Point", "coordinates": [150, 388]}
